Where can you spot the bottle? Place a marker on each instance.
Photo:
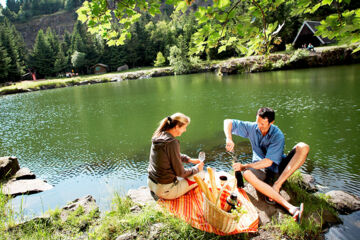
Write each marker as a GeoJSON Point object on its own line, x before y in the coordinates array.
{"type": "Point", "coordinates": [239, 179]}
{"type": "Point", "coordinates": [231, 202]}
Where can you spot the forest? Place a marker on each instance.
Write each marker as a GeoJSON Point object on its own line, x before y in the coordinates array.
{"type": "Point", "coordinates": [157, 33]}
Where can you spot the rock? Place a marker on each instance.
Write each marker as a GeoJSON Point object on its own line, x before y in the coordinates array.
{"type": "Point", "coordinates": [155, 230]}
{"type": "Point", "coordinates": [28, 186]}
{"type": "Point", "coordinates": [326, 220]}
{"type": "Point", "coordinates": [135, 209]}
{"type": "Point", "coordinates": [122, 68]}
{"type": "Point", "coordinates": [308, 183]}
{"type": "Point", "coordinates": [24, 173]}
{"type": "Point", "coordinates": [140, 196]}
{"type": "Point", "coordinates": [30, 223]}
{"type": "Point", "coordinates": [88, 204]}
{"type": "Point", "coordinates": [344, 202]}
{"type": "Point", "coordinates": [127, 236]}
{"type": "Point", "coordinates": [8, 166]}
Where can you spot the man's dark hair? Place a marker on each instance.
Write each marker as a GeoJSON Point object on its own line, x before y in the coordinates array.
{"type": "Point", "coordinates": [266, 112]}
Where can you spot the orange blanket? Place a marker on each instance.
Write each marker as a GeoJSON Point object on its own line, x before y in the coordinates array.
{"type": "Point", "coordinates": [190, 208]}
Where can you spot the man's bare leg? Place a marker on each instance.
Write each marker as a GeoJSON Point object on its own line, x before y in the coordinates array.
{"type": "Point", "coordinates": [302, 150]}
{"type": "Point", "coordinates": [267, 190]}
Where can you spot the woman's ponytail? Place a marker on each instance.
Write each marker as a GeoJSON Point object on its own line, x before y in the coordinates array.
{"type": "Point", "coordinates": [170, 122]}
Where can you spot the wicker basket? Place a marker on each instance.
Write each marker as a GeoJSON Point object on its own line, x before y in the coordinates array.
{"type": "Point", "coordinates": [218, 218]}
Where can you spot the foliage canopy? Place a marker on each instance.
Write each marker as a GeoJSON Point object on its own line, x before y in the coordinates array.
{"type": "Point", "coordinates": [247, 25]}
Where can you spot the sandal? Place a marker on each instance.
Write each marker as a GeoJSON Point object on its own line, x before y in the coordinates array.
{"type": "Point", "coordinates": [269, 201]}
{"type": "Point", "coordinates": [297, 216]}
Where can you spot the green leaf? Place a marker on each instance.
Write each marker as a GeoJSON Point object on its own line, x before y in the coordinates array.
{"type": "Point", "coordinates": [357, 12]}
{"type": "Point", "coordinates": [314, 9]}
{"type": "Point", "coordinates": [111, 42]}
{"type": "Point", "coordinates": [348, 13]}
{"type": "Point", "coordinates": [356, 49]}
{"type": "Point", "coordinates": [181, 6]}
{"type": "Point", "coordinates": [222, 49]}
{"type": "Point", "coordinates": [224, 3]}
{"type": "Point", "coordinates": [327, 2]}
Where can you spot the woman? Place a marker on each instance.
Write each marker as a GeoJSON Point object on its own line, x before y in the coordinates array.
{"type": "Point", "coordinates": [167, 175]}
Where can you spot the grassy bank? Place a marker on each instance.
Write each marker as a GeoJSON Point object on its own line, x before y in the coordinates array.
{"type": "Point", "coordinates": [151, 222]}
{"type": "Point", "coordinates": [42, 84]}
{"type": "Point", "coordinates": [324, 56]}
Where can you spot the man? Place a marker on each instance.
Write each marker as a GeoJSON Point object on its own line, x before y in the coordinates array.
{"type": "Point", "coordinates": [268, 161]}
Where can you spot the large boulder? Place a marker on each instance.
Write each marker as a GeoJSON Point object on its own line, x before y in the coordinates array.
{"type": "Point", "coordinates": [88, 203]}
{"type": "Point", "coordinates": [24, 173]}
{"type": "Point", "coordinates": [344, 202]}
{"type": "Point", "coordinates": [122, 68]}
{"type": "Point", "coordinates": [28, 186]}
{"type": "Point", "coordinates": [308, 183]}
{"type": "Point", "coordinates": [141, 195]}
{"type": "Point", "coordinates": [8, 167]}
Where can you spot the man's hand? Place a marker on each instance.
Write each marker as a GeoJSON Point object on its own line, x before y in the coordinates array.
{"type": "Point", "coordinates": [200, 166]}
{"type": "Point", "coordinates": [239, 167]}
{"type": "Point", "coordinates": [229, 145]}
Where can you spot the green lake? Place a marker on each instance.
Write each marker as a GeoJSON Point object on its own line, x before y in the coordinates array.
{"type": "Point", "coordinates": [95, 139]}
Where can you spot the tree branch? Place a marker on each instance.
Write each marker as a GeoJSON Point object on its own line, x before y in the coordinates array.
{"type": "Point", "coordinates": [263, 20]}
{"type": "Point", "coordinates": [227, 18]}
{"type": "Point", "coordinates": [263, 17]}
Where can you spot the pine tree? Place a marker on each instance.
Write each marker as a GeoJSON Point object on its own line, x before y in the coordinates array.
{"type": "Point", "coordinates": [61, 62]}
{"type": "Point", "coordinates": [69, 5]}
{"type": "Point", "coordinates": [8, 42]}
{"type": "Point", "coordinates": [82, 41]}
{"type": "Point", "coordinates": [20, 44]}
{"type": "Point", "coordinates": [12, 6]}
{"type": "Point", "coordinates": [66, 43]}
{"type": "Point", "coordinates": [114, 57]}
{"type": "Point", "coordinates": [53, 41]}
{"type": "Point", "coordinates": [40, 59]}
{"type": "Point", "coordinates": [4, 64]}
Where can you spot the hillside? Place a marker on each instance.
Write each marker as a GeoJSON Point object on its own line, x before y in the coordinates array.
{"type": "Point", "coordinates": [58, 22]}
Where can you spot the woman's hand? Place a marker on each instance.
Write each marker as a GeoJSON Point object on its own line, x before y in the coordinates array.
{"type": "Point", "coordinates": [200, 166]}
{"type": "Point", "coordinates": [194, 161]}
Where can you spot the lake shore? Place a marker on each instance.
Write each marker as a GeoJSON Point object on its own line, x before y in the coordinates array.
{"type": "Point", "coordinates": [324, 56]}
{"type": "Point", "coordinates": [139, 217]}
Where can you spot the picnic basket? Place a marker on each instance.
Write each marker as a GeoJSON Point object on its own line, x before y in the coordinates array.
{"type": "Point", "coordinates": [216, 217]}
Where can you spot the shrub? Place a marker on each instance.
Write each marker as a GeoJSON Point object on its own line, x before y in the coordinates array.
{"type": "Point", "coordinates": [279, 64]}
{"type": "Point", "coordinates": [289, 47]}
{"type": "Point", "coordinates": [160, 60]}
{"type": "Point", "coordinates": [178, 60]}
{"type": "Point", "coordinates": [299, 54]}
{"type": "Point", "coordinates": [195, 61]}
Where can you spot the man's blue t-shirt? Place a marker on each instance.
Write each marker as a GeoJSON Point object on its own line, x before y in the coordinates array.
{"type": "Point", "coordinates": [270, 146]}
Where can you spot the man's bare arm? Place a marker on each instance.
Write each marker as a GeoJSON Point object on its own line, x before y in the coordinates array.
{"type": "Point", "coordinates": [227, 130]}
{"type": "Point", "coordinates": [264, 163]}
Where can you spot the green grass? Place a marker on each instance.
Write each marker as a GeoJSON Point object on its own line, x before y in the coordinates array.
{"type": "Point", "coordinates": [63, 82]}
{"type": "Point", "coordinates": [314, 207]}
{"type": "Point", "coordinates": [120, 220]}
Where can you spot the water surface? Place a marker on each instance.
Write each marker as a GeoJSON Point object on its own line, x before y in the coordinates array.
{"type": "Point", "coordinates": [95, 139]}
